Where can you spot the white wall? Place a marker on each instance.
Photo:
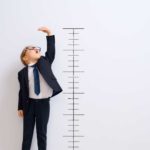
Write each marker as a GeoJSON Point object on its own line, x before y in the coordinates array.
{"type": "Point", "coordinates": [116, 63]}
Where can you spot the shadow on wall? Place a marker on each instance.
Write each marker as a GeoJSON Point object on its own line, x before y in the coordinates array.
{"type": "Point", "coordinates": [10, 123]}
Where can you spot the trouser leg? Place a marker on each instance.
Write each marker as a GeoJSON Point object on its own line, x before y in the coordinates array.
{"type": "Point", "coordinates": [42, 117]}
{"type": "Point", "coordinates": [28, 126]}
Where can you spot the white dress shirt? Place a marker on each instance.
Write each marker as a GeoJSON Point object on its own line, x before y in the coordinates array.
{"type": "Point", "coordinates": [45, 90]}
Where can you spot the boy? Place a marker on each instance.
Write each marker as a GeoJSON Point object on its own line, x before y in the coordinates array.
{"type": "Point", "coordinates": [37, 85]}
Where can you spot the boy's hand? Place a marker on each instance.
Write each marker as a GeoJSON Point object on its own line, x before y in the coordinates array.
{"type": "Point", "coordinates": [20, 113]}
{"type": "Point", "coordinates": [45, 30]}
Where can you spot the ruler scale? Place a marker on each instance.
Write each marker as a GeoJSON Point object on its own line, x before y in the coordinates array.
{"type": "Point", "coordinates": [73, 74]}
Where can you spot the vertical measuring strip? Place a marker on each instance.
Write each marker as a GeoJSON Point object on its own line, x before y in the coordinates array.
{"type": "Point", "coordinates": [73, 73]}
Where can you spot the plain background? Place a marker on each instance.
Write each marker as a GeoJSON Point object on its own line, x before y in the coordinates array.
{"type": "Point", "coordinates": [116, 61]}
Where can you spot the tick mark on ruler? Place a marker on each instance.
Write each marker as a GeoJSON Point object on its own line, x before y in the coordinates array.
{"type": "Point", "coordinates": [74, 50]}
{"type": "Point", "coordinates": [73, 130]}
{"type": "Point", "coordinates": [73, 44]}
{"type": "Point", "coordinates": [73, 60]}
{"type": "Point", "coordinates": [72, 71]}
{"type": "Point", "coordinates": [73, 66]}
{"type": "Point", "coordinates": [73, 55]}
{"type": "Point", "coordinates": [73, 82]}
{"type": "Point", "coordinates": [74, 136]}
{"type": "Point", "coordinates": [73, 141]}
{"type": "Point", "coordinates": [73, 39]}
{"type": "Point", "coordinates": [73, 33]}
{"type": "Point", "coordinates": [73, 87]}
{"type": "Point", "coordinates": [73, 93]}
{"type": "Point", "coordinates": [72, 98]}
{"type": "Point", "coordinates": [73, 114]}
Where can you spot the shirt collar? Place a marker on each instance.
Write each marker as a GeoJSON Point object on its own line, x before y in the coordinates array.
{"type": "Point", "coordinates": [31, 64]}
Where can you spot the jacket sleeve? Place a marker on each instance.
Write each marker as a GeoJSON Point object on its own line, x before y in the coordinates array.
{"type": "Point", "coordinates": [50, 53]}
{"type": "Point", "coordinates": [20, 98]}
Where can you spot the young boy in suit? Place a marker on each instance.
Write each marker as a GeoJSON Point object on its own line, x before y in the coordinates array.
{"type": "Point", "coordinates": [37, 85]}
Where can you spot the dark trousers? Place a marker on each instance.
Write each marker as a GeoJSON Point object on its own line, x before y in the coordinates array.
{"type": "Point", "coordinates": [36, 111]}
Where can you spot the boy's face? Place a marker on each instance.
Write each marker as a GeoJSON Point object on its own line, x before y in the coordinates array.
{"type": "Point", "coordinates": [32, 53]}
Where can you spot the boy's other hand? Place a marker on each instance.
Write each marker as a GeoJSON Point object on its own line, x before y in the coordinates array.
{"type": "Point", "coordinates": [20, 113]}
{"type": "Point", "coordinates": [45, 30]}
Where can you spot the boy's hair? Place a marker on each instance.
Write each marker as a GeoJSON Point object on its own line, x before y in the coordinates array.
{"type": "Point", "coordinates": [22, 55]}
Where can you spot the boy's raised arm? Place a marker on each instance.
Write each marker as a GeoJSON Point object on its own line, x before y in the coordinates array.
{"type": "Point", "coordinates": [50, 53]}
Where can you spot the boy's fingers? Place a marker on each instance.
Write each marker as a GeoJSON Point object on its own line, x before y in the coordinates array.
{"type": "Point", "coordinates": [43, 29]}
{"type": "Point", "coordinates": [20, 113]}
{"type": "Point", "coordinates": [39, 29]}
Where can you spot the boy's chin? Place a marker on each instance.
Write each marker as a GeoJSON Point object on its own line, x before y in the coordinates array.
{"type": "Point", "coordinates": [37, 57]}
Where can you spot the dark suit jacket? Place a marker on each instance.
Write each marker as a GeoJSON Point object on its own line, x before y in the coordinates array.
{"type": "Point", "coordinates": [44, 66]}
